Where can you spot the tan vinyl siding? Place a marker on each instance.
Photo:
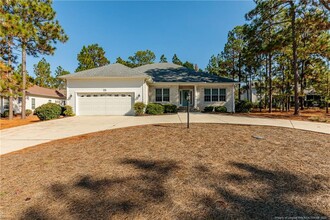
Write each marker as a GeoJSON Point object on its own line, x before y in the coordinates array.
{"type": "Point", "coordinates": [174, 93]}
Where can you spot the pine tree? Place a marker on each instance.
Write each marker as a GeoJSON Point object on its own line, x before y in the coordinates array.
{"type": "Point", "coordinates": [90, 57]}
{"type": "Point", "coordinates": [36, 30]}
{"type": "Point", "coordinates": [43, 74]}
{"type": "Point", "coordinates": [188, 65]}
{"type": "Point", "coordinates": [176, 60]}
{"type": "Point", "coordinates": [141, 57]}
{"type": "Point", "coordinates": [163, 59]}
{"type": "Point", "coordinates": [59, 83]}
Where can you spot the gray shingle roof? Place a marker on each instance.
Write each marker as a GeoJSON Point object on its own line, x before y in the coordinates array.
{"type": "Point", "coordinates": [111, 70]}
{"type": "Point", "coordinates": [169, 72]}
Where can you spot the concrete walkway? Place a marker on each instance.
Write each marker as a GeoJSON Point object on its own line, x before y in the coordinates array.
{"type": "Point", "coordinates": [17, 138]}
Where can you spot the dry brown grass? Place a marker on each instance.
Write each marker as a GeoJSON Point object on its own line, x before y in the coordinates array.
{"type": "Point", "coordinates": [17, 121]}
{"type": "Point", "coordinates": [211, 171]}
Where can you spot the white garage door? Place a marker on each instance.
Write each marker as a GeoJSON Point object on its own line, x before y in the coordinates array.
{"type": "Point", "coordinates": [105, 104]}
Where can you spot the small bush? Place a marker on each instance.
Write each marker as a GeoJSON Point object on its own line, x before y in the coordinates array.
{"type": "Point", "coordinates": [243, 106]}
{"type": "Point", "coordinates": [68, 111]}
{"type": "Point", "coordinates": [208, 109]}
{"type": "Point", "coordinates": [155, 109]}
{"type": "Point", "coordinates": [5, 114]}
{"type": "Point", "coordinates": [28, 112]}
{"type": "Point", "coordinates": [170, 108]}
{"type": "Point", "coordinates": [220, 109]}
{"type": "Point", "coordinates": [48, 111]}
{"type": "Point", "coordinates": [139, 108]}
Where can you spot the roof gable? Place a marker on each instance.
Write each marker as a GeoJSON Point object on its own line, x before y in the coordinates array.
{"type": "Point", "coordinates": [111, 70]}
{"type": "Point", "coordinates": [41, 91]}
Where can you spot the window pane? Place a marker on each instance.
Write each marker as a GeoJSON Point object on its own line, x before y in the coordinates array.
{"type": "Point", "coordinates": [158, 95]}
{"type": "Point", "coordinates": [207, 95]}
{"type": "Point", "coordinates": [215, 95]}
{"type": "Point", "coordinates": [33, 103]}
{"type": "Point", "coordinates": [222, 96]}
{"type": "Point", "coordinates": [166, 95]}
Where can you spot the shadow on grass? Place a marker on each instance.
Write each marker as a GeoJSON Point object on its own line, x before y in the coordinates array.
{"type": "Point", "coordinates": [90, 198]}
{"type": "Point", "coordinates": [251, 193]}
{"type": "Point", "coordinates": [258, 194]}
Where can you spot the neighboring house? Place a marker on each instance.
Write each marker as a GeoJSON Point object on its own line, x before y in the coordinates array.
{"type": "Point", "coordinates": [251, 94]}
{"type": "Point", "coordinates": [35, 96]}
{"type": "Point", "coordinates": [113, 89]}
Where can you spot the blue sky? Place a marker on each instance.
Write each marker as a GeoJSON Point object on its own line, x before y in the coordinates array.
{"type": "Point", "coordinates": [194, 30]}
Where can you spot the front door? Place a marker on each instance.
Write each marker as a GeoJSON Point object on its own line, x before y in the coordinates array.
{"type": "Point", "coordinates": [183, 97]}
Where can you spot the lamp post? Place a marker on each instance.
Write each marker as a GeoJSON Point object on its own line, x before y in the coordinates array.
{"type": "Point", "coordinates": [188, 103]}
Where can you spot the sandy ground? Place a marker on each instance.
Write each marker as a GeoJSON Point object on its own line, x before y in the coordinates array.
{"type": "Point", "coordinates": [211, 171]}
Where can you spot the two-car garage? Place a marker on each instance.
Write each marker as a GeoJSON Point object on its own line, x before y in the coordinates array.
{"type": "Point", "coordinates": [105, 103]}
{"type": "Point", "coordinates": [107, 90]}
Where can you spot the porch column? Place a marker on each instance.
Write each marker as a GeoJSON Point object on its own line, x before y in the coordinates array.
{"type": "Point", "coordinates": [195, 96]}
{"type": "Point", "coordinates": [233, 99]}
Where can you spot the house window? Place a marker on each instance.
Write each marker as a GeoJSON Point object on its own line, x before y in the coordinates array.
{"type": "Point", "coordinates": [162, 95]}
{"type": "Point", "coordinates": [214, 95]}
{"type": "Point", "coordinates": [222, 95]}
{"type": "Point", "coordinates": [33, 103]}
{"type": "Point", "coordinates": [207, 95]}
{"type": "Point", "coordinates": [49, 101]}
{"type": "Point", "coordinates": [20, 100]}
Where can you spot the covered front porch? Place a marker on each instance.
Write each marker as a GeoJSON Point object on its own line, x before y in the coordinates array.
{"type": "Point", "coordinates": [186, 90]}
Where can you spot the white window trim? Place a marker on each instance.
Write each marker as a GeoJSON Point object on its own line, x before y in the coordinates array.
{"type": "Point", "coordinates": [219, 94]}
{"type": "Point", "coordinates": [162, 89]}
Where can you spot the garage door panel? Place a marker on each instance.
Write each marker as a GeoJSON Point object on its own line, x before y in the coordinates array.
{"type": "Point", "coordinates": [105, 104]}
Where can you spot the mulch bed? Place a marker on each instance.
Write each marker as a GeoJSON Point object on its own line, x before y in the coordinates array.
{"type": "Point", "coordinates": [17, 121]}
{"type": "Point", "coordinates": [211, 171]}
{"type": "Point", "coordinates": [317, 115]}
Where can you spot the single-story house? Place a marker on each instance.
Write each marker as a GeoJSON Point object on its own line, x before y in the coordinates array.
{"type": "Point", "coordinates": [35, 96]}
{"type": "Point", "coordinates": [113, 89]}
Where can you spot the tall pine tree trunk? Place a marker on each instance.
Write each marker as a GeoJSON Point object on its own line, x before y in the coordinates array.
{"type": "Point", "coordinates": [266, 84]}
{"type": "Point", "coordinates": [239, 76]}
{"type": "Point", "coordinates": [302, 85]}
{"type": "Point", "coordinates": [327, 100]}
{"type": "Point", "coordinates": [294, 58]}
{"type": "Point", "coordinates": [24, 80]}
{"type": "Point", "coordinates": [10, 98]}
{"type": "Point", "coordinates": [270, 94]}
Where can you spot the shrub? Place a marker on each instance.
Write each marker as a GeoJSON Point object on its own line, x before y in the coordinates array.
{"type": "Point", "coordinates": [68, 111]}
{"type": "Point", "coordinates": [155, 109]}
{"type": "Point", "coordinates": [139, 108]}
{"type": "Point", "coordinates": [243, 106]}
{"type": "Point", "coordinates": [170, 108]}
{"type": "Point", "coordinates": [220, 109]}
{"type": "Point", "coordinates": [28, 112]}
{"type": "Point", "coordinates": [48, 111]}
{"type": "Point", "coordinates": [5, 114]}
{"type": "Point", "coordinates": [208, 109]}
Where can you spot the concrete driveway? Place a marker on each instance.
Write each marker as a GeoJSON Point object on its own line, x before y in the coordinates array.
{"type": "Point", "coordinates": [17, 138]}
